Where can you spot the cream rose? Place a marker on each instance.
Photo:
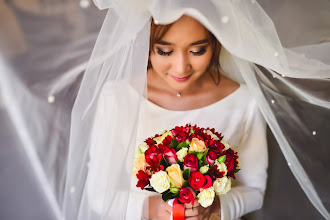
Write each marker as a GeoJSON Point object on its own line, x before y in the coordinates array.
{"type": "Point", "coordinates": [161, 138]}
{"type": "Point", "coordinates": [213, 136]}
{"type": "Point", "coordinates": [174, 172]}
{"type": "Point", "coordinates": [221, 167]}
{"type": "Point", "coordinates": [227, 146]}
{"type": "Point", "coordinates": [204, 169]}
{"type": "Point", "coordinates": [206, 197]}
{"type": "Point", "coordinates": [143, 147]}
{"type": "Point", "coordinates": [222, 185]}
{"type": "Point", "coordinates": [197, 145]}
{"type": "Point", "coordinates": [182, 153]}
{"type": "Point", "coordinates": [139, 164]}
{"type": "Point", "coordinates": [160, 181]}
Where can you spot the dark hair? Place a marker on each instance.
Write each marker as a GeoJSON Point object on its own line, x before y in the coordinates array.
{"type": "Point", "coordinates": [158, 31]}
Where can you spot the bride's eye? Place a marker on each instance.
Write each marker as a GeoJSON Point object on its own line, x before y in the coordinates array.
{"type": "Point", "coordinates": [200, 52]}
{"type": "Point", "coordinates": [163, 53]}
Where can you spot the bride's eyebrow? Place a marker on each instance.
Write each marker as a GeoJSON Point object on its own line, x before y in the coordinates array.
{"type": "Point", "coordinates": [192, 44]}
{"type": "Point", "coordinates": [164, 43]}
{"type": "Point", "coordinates": [199, 42]}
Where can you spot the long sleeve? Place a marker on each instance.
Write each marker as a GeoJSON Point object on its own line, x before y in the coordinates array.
{"type": "Point", "coordinates": [248, 193]}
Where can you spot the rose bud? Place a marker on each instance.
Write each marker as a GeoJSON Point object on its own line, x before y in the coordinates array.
{"type": "Point", "coordinates": [211, 157]}
{"type": "Point", "coordinates": [190, 161]}
{"type": "Point", "coordinates": [186, 196]}
{"type": "Point", "coordinates": [170, 155]}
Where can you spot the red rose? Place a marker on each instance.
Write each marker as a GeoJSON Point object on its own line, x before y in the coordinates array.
{"type": "Point", "coordinates": [196, 180]}
{"type": "Point", "coordinates": [199, 181]}
{"type": "Point", "coordinates": [186, 196]}
{"type": "Point", "coordinates": [211, 157]}
{"type": "Point", "coordinates": [208, 182]}
{"type": "Point", "coordinates": [190, 161]}
{"type": "Point", "coordinates": [170, 155]}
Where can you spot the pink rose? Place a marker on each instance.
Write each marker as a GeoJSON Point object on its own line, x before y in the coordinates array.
{"type": "Point", "coordinates": [170, 155]}
{"type": "Point", "coordinates": [190, 161]}
{"type": "Point", "coordinates": [211, 157]}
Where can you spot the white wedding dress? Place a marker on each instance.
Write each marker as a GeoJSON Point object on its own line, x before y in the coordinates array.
{"type": "Point", "coordinates": [236, 116]}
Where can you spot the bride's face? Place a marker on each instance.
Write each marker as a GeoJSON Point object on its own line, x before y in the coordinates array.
{"type": "Point", "coordinates": [182, 56]}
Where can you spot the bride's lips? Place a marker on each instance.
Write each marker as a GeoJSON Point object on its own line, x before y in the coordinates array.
{"type": "Point", "coordinates": [181, 79]}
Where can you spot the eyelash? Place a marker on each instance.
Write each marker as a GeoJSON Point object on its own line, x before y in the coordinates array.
{"type": "Point", "coordinates": [198, 53]}
{"type": "Point", "coordinates": [163, 53]}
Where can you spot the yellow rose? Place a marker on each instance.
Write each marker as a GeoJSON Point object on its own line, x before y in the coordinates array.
{"type": "Point", "coordinates": [139, 164]}
{"type": "Point", "coordinates": [197, 145]}
{"type": "Point", "coordinates": [182, 153]}
{"type": "Point", "coordinates": [161, 138]}
{"type": "Point", "coordinates": [175, 174]}
{"type": "Point", "coordinates": [222, 185]}
{"type": "Point", "coordinates": [160, 181]}
{"type": "Point", "coordinates": [206, 197]}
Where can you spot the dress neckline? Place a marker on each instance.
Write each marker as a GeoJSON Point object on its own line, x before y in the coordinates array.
{"type": "Point", "coordinates": [223, 100]}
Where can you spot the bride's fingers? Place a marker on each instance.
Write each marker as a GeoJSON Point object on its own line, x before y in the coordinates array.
{"type": "Point", "coordinates": [194, 211]}
{"type": "Point", "coordinates": [189, 205]}
{"type": "Point", "coordinates": [165, 206]}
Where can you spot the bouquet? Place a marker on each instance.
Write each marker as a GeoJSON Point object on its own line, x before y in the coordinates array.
{"type": "Point", "coordinates": [186, 162]}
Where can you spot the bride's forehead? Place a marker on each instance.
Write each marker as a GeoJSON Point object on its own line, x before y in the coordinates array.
{"type": "Point", "coordinates": [188, 28]}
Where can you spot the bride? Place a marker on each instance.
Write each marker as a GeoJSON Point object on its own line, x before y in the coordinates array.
{"type": "Point", "coordinates": [185, 85]}
{"type": "Point", "coordinates": [160, 64]}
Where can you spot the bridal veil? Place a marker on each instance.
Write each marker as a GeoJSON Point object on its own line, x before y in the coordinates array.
{"type": "Point", "coordinates": [286, 66]}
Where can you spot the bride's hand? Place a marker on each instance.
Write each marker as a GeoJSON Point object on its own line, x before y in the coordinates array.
{"type": "Point", "coordinates": [198, 212]}
{"type": "Point", "coordinates": [164, 211]}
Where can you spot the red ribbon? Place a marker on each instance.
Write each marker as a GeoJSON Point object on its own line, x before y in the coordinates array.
{"type": "Point", "coordinates": [178, 210]}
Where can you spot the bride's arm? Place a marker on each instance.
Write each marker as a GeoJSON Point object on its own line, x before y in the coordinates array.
{"type": "Point", "coordinates": [248, 195]}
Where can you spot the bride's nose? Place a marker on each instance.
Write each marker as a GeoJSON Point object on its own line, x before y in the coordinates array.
{"type": "Point", "coordinates": [181, 64]}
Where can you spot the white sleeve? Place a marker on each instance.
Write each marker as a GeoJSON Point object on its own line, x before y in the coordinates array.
{"type": "Point", "coordinates": [248, 193]}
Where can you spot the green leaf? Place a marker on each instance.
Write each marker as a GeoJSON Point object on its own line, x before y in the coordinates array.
{"type": "Point", "coordinates": [222, 159]}
{"type": "Point", "coordinates": [174, 143]}
{"type": "Point", "coordinates": [193, 152]}
{"type": "Point", "coordinates": [192, 131]}
{"type": "Point", "coordinates": [167, 195]}
{"type": "Point", "coordinates": [237, 170]}
{"type": "Point", "coordinates": [174, 190]}
{"type": "Point", "coordinates": [150, 189]}
{"type": "Point", "coordinates": [181, 145]}
{"type": "Point", "coordinates": [200, 156]}
{"type": "Point", "coordinates": [186, 174]}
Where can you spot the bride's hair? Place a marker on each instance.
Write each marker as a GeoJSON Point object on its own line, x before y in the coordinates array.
{"type": "Point", "coordinates": [158, 31]}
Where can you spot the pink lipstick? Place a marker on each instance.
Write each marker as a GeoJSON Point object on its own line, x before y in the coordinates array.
{"type": "Point", "coordinates": [179, 79]}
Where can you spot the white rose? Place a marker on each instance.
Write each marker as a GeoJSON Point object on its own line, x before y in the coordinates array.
{"type": "Point", "coordinates": [221, 167]}
{"type": "Point", "coordinates": [161, 138]}
{"type": "Point", "coordinates": [160, 181]}
{"type": "Point", "coordinates": [213, 136]}
{"type": "Point", "coordinates": [238, 162]}
{"type": "Point", "coordinates": [182, 153]}
{"type": "Point", "coordinates": [143, 147]}
{"type": "Point", "coordinates": [227, 146]}
{"type": "Point", "coordinates": [222, 185]}
{"type": "Point", "coordinates": [206, 197]}
{"type": "Point", "coordinates": [204, 169]}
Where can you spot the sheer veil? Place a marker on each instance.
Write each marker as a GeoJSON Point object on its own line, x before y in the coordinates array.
{"type": "Point", "coordinates": [82, 162]}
